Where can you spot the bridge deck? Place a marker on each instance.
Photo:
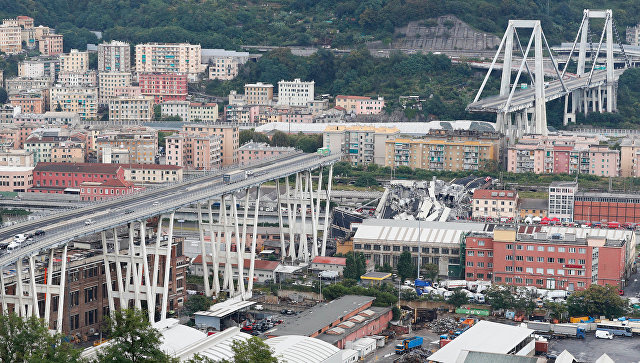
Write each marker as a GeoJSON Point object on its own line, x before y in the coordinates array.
{"type": "Point", "coordinates": [64, 227]}
{"type": "Point", "coordinates": [523, 99]}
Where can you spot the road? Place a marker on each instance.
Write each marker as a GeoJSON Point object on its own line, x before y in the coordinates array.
{"type": "Point", "coordinates": [523, 99]}
{"type": "Point", "coordinates": [63, 227]}
{"type": "Point", "coordinates": [620, 349]}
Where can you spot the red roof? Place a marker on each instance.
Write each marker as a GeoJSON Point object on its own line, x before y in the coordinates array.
{"type": "Point", "coordinates": [330, 260]}
{"type": "Point", "coordinates": [495, 194]}
{"type": "Point", "coordinates": [258, 264]}
{"type": "Point", "coordinates": [92, 168]}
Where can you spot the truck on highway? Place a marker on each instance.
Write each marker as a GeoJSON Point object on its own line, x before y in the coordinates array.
{"type": "Point", "coordinates": [408, 345]}
{"type": "Point", "coordinates": [234, 176]}
{"type": "Point", "coordinates": [559, 330]}
{"type": "Point", "coordinates": [328, 274]}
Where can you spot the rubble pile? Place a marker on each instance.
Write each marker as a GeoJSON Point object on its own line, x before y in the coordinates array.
{"type": "Point", "coordinates": [414, 356]}
{"type": "Point", "coordinates": [443, 325]}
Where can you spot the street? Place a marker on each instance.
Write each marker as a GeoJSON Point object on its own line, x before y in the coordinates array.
{"type": "Point", "coordinates": [633, 288]}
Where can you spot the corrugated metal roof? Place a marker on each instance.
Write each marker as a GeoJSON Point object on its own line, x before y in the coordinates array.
{"type": "Point", "coordinates": [393, 230]}
{"type": "Point", "coordinates": [223, 309]}
{"type": "Point", "coordinates": [301, 349]}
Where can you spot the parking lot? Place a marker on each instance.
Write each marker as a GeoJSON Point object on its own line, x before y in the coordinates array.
{"type": "Point", "coordinates": [620, 349]}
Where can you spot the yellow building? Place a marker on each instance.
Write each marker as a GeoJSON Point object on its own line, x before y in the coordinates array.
{"type": "Point", "coordinates": [74, 61]}
{"type": "Point", "coordinates": [258, 93]}
{"type": "Point", "coordinates": [131, 110]}
{"type": "Point", "coordinates": [360, 145]}
{"type": "Point", "coordinates": [439, 154]}
{"type": "Point", "coordinates": [68, 152]}
{"type": "Point", "coordinates": [10, 39]}
{"type": "Point", "coordinates": [229, 134]}
{"type": "Point", "coordinates": [81, 100]}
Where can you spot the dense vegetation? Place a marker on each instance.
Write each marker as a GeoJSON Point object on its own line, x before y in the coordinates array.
{"type": "Point", "coordinates": [447, 87]}
{"type": "Point", "coordinates": [340, 23]}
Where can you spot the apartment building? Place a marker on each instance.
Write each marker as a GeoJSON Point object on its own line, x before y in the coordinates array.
{"type": "Point", "coordinates": [360, 105]}
{"type": "Point", "coordinates": [295, 93]}
{"type": "Point", "coordinates": [51, 44]}
{"type": "Point", "coordinates": [109, 82]}
{"type": "Point", "coordinates": [50, 118]}
{"type": "Point", "coordinates": [29, 102]}
{"type": "Point", "coordinates": [550, 257]}
{"type": "Point", "coordinates": [15, 135]}
{"type": "Point", "coordinates": [20, 84]}
{"type": "Point", "coordinates": [16, 178]}
{"type": "Point", "coordinates": [229, 134]}
{"type": "Point", "coordinates": [141, 144]}
{"type": "Point", "coordinates": [561, 200]}
{"type": "Point", "coordinates": [42, 146]}
{"type": "Point", "coordinates": [152, 173]}
{"type": "Point", "coordinates": [74, 61]}
{"type": "Point", "coordinates": [176, 108]}
{"type": "Point", "coordinates": [68, 152]}
{"type": "Point", "coordinates": [42, 67]}
{"type": "Point", "coordinates": [633, 35]}
{"type": "Point", "coordinates": [360, 145]}
{"type": "Point", "coordinates": [114, 57]}
{"type": "Point", "coordinates": [254, 151]}
{"type": "Point", "coordinates": [194, 151]}
{"type": "Point", "coordinates": [10, 38]}
{"type": "Point", "coordinates": [164, 87]}
{"type": "Point", "coordinates": [81, 100]}
{"type": "Point", "coordinates": [241, 114]}
{"type": "Point", "coordinates": [630, 157]}
{"type": "Point", "coordinates": [258, 94]}
{"type": "Point", "coordinates": [203, 112]}
{"type": "Point", "coordinates": [180, 58]}
{"type": "Point", "coordinates": [78, 79]}
{"type": "Point", "coordinates": [223, 64]}
{"type": "Point", "coordinates": [131, 110]}
{"type": "Point", "coordinates": [498, 205]}
{"type": "Point", "coordinates": [11, 157]}
{"type": "Point", "coordinates": [440, 154]}
{"type": "Point", "coordinates": [562, 155]}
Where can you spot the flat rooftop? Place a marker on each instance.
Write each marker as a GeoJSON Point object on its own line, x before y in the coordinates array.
{"type": "Point", "coordinates": [393, 230]}
{"type": "Point", "coordinates": [486, 337]}
{"type": "Point", "coordinates": [321, 316]}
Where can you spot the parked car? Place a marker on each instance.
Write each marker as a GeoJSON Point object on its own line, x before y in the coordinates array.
{"type": "Point", "coordinates": [259, 307]}
{"type": "Point", "coordinates": [39, 233]}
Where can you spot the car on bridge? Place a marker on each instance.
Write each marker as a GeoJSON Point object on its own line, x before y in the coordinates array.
{"type": "Point", "coordinates": [89, 221]}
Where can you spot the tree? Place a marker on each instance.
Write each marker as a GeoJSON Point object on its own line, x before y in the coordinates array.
{"type": "Point", "coordinates": [556, 310]}
{"type": "Point", "coordinates": [197, 303]}
{"type": "Point", "coordinates": [386, 267]}
{"type": "Point", "coordinates": [356, 266]}
{"type": "Point", "coordinates": [406, 268]}
{"type": "Point", "coordinates": [29, 340]}
{"type": "Point", "coordinates": [499, 297]}
{"type": "Point", "coordinates": [431, 270]}
{"type": "Point", "coordinates": [3, 95]}
{"type": "Point", "coordinates": [458, 298]}
{"type": "Point", "coordinates": [134, 339]}
{"type": "Point", "coordinates": [253, 350]}
{"type": "Point", "coordinates": [279, 138]}
{"type": "Point", "coordinates": [396, 313]}
{"type": "Point", "coordinates": [596, 300]}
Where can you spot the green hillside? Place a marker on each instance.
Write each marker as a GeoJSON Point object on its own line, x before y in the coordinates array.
{"type": "Point", "coordinates": [340, 23]}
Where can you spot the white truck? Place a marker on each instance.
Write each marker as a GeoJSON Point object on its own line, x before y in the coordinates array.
{"type": "Point", "coordinates": [328, 274]}
{"type": "Point", "coordinates": [455, 284]}
{"type": "Point", "coordinates": [234, 176]}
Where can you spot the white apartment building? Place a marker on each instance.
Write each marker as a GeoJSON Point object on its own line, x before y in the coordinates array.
{"type": "Point", "coordinates": [31, 69]}
{"type": "Point", "coordinates": [131, 110]}
{"type": "Point", "coordinates": [109, 82]}
{"type": "Point", "coordinates": [223, 64]}
{"type": "Point", "coordinates": [295, 93]}
{"type": "Point", "coordinates": [114, 57]}
{"type": "Point", "coordinates": [169, 58]}
{"type": "Point", "coordinates": [74, 61]}
{"type": "Point", "coordinates": [10, 39]}
{"type": "Point", "coordinates": [190, 111]}
{"type": "Point", "coordinates": [176, 108]}
{"type": "Point", "coordinates": [561, 198]}
{"type": "Point", "coordinates": [78, 79]}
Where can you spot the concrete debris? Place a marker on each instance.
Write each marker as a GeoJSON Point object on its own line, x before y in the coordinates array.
{"type": "Point", "coordinates": [443, 325]}
{"type": "Point", "coordinates": [414, 356]}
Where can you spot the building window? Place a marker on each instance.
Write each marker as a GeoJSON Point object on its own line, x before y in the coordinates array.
{"type": "Point", "coordinates": [550, 259]}
{"type": "Point", "coordinates": [508, 268]}
{"type": "Point", "coordinates": [509, 246]}
{"type": "Point", "coordinates": [509, 257]}
{"type": "Point", "coordinates": [529, 270]}
{"type": "Point", "coordinates": [469, 253]}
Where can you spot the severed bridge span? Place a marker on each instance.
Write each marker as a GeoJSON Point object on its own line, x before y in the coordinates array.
{"type": "Point", "coordinates": [520, 108]}
{"type": "Point", "coordinates": [33, 275]}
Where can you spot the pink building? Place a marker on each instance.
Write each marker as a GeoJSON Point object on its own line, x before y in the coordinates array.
{"type": "Point", "coordinates": [164, 86]}
{"type": "Point", "coordinates": [360, 105]}
{"type": "Point", "coordinates": [296, 117]}
{"type": "Point", "coordinates": [15, 178]}
{"type": "Point", "coordinates": [253, 151]}
{"type": "Point", "coordinates": [107, 189]}
{"type": "Point", "coordinates": [562, 155]}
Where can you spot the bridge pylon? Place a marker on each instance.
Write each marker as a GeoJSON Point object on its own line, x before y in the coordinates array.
{"type": "Point", "coordinates": [594, 99]}
{"type": "Point", "coordinates": [533, 119]}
